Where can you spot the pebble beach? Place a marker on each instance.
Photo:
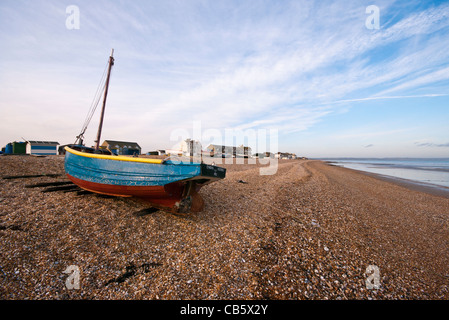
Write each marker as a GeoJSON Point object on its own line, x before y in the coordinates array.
{"type": "Point", "coordinates": [310, 231]}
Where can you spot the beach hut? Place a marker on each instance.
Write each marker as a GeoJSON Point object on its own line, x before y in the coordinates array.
{"type": "Point", "coordinates": [8, 148]}
{"type": "Point", "coordinates": [40, 148]}
{"type": "Point", "coordinates": [15, 148]}
{"type": "Point", "coordinates": [19, 147]}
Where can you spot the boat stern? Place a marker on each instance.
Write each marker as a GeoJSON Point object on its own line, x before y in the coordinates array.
{"type": "Point", "coordinates": [212, 172]}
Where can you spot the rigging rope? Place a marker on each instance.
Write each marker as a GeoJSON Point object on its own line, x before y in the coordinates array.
{"type": "Point", "coordinates": [94, 104]}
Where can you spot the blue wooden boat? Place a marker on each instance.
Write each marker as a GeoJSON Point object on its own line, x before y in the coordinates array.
{"type": "Point", "coordinates": [169, 184]}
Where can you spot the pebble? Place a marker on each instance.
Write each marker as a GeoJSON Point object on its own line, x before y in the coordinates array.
{"type": "Point", "coordinates": [262, 239]}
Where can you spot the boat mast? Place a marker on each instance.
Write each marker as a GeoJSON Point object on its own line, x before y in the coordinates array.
{"type": "Point", "coordinates": [100, 126]}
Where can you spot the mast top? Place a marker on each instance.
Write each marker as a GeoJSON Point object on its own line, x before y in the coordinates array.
{"type": "Point", "coordinates": [100, 126]}
{"type": "Point", "coordinates": [111, 58]}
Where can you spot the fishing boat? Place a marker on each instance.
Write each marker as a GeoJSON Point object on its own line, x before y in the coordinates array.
{"type": "Point", "coordinates": [171, 184]}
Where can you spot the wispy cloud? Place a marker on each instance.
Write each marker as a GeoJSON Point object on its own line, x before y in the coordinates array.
{"type": "Point", "coordinates": [391, 97]}
{"type": "Point", "coordinates": [299, 74]}
{"type": "Point", "coordinates": [431, 144]}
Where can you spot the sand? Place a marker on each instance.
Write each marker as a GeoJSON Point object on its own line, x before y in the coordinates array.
{"type": "Point", "coordinates": [308, 232]}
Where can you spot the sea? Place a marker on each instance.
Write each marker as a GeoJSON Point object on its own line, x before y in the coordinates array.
{"type": "Point", "coordinates": [427, 171]}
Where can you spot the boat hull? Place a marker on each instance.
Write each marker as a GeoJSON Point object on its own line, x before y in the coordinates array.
{"type": "Point", "coordinates": [166, 184]}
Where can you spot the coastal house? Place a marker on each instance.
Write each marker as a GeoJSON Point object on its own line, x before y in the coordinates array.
{"type": "Point", "coordinates": [263, 155]}
{"type": "Point", "coordinates": [186, 147]}
{"type": "Point", "coordinates": [228, 151]}
{"type": "Point", "coordinates": [191, 147]}
{"type": "Point", "coordinates": [42, 147]}
{"type": "Point", "coordinates": [122, 147]}
{"type": "Point", "coordinates": [285, 155]}
{"type": "Point", "coordinates": [242, 151]}
{"type": "Point", "coordinates": [216, 150]}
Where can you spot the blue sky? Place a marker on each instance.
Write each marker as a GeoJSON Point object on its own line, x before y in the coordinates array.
{"type": "Point", "coordinates": [311, 70]}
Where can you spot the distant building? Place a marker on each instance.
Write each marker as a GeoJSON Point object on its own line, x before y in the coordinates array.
{"type": "Point", "coordinates": [156, 153]}
{"type": "Point", "coordinates": [263, 155]}
{"type": "Point", "coordinates": [191, 147]}
{"type": "Point", "coordinates": [186, 147]}
{"type": "Point", "coordinates": [227, 151]}
{"type": "Point", "coordinates": [243, 151]}
{"type": "Point", "coordinates": [216, 150]}
{"type": "Point", "coordinates": [285, 155]}
{"type": "Point", "coordinates": [122, 147]}
{"type": "Point", "coordinates": [41, 148]}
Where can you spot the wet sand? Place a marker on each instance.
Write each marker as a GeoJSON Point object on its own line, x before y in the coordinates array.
{"type": "Point", "coordinates": [308, 232]}
{"type": "Point", "coordinates": [431, 189]}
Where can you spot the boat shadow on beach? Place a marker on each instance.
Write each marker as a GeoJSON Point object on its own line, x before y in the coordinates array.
{"type": "Point", "coordinates": [67, 186]}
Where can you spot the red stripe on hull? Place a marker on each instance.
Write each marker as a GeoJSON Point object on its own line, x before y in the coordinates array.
{"type": "Point", "coordinates": [166, 196]}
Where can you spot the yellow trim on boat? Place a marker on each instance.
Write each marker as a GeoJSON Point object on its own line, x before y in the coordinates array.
{"type": "Point", "coordinates": [117, 158]}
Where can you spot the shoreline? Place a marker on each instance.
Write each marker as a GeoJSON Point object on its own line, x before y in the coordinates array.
{"type": "Point", "coordinates": [414, 185]}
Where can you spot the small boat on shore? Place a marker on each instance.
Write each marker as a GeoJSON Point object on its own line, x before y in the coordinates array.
{"type": "Point", "coordinates": [169, 184]}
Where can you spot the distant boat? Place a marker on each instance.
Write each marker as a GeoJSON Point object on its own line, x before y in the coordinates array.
{"type": "Point", "coordinates": [170, 184]}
